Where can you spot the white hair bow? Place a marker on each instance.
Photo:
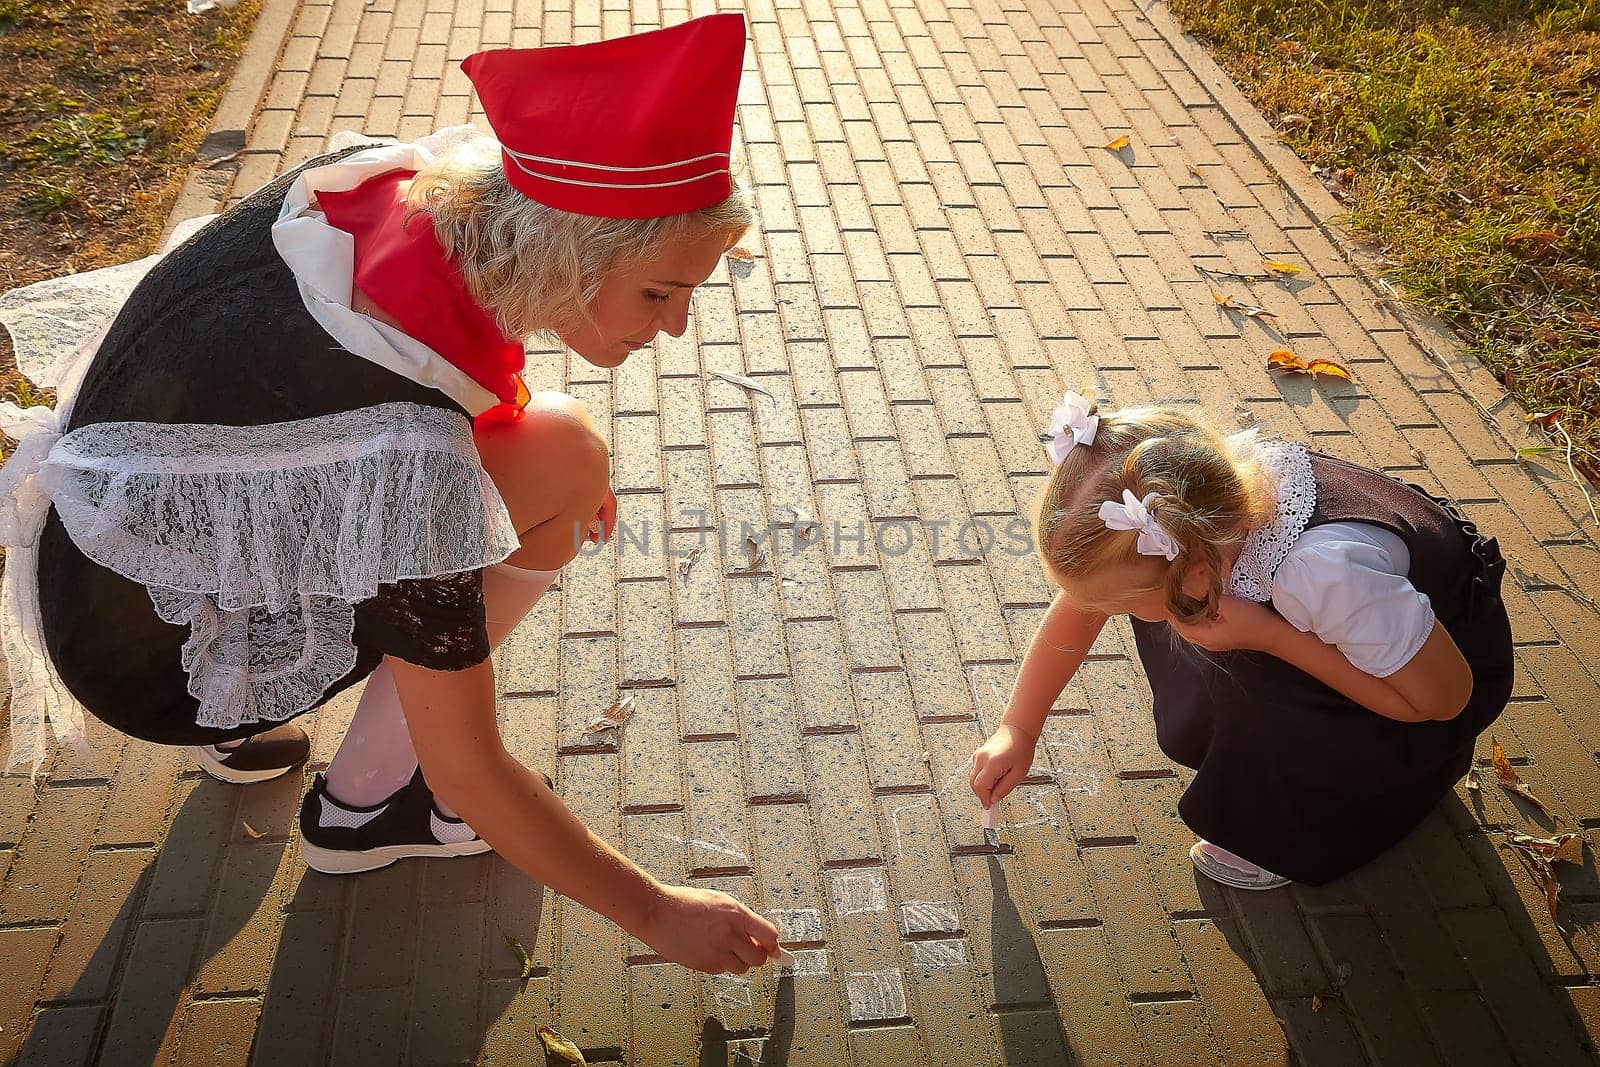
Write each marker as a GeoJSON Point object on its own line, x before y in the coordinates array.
{"type": "Point", "coordinates": [1071, 424]}
{"type": "Point", "coordinates": [1134, 514]}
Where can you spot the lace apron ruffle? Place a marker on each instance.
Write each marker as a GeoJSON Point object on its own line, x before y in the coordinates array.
{"type": "Point", "coordinates": [56, 326]}
{"type": "Point", "coordinates": [262, 539]}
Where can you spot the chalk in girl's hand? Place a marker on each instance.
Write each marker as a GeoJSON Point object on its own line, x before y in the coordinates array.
{"type": "Point", "coordinates": [991, 826]}
{"type": "Point", "coordinates": [784, 958]}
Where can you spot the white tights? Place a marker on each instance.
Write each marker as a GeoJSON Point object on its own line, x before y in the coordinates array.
{"type": "Point", "coordinates": [376, 758]}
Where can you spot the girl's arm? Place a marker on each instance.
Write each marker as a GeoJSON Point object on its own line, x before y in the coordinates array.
{"type": "Point", "coordinates": [1435, 684]}
{"type": "Point", "coordinates": [451, 716]}
{"type": "Point", "coordinates": [1054, 656]}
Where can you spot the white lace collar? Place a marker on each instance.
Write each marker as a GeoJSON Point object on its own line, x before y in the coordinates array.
{"type": "Point", "coordinates": [1288, 466]}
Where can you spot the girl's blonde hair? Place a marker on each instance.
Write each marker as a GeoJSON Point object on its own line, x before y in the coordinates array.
{"type": "Point", "coordinates": [1210, 492]}
{"type": "Point", "coordinates": [535, 268]}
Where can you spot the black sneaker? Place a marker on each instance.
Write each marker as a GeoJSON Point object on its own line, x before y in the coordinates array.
{"type": "Point", "coordinates": [338, 838]}
{"type": "Point", "coordinates": [259, 758]}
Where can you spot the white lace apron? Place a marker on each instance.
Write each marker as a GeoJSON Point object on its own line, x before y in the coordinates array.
{"type": "Point", "coordinates": [261, 539]}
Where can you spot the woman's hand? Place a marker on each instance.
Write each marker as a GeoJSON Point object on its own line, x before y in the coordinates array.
{"type": "Point", "coordinates": [1000, 763]}
{"type": "Point", "coordinates": [605, 520]}
{"type": "Point", "coordinates": [708, 931]}
{"type": "Point", "coordinates": [1240, 624]}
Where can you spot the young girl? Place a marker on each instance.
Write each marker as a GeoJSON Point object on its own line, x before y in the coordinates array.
{"type": "Point", "coordinates": [1323, 643]}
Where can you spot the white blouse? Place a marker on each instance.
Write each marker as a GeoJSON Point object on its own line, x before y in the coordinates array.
{"type": "Point", "coordinates": [1346, 582]}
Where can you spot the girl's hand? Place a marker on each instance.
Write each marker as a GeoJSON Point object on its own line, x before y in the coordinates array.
{"type": "Point", "coordinates": [1240, 624]}
{"type": "Point", "coordinates": [708, 931]}
{"type": "Point", "coordinates": [1000, 763]}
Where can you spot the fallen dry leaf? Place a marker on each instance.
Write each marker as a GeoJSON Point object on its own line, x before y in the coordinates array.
{"type": "Point", "coordinates": [251, 830]}
{"type": "Point", "coordinates": [741, 254]}
{"type": "Point", "coordinates": [1316, 1002]}
{"type": "Point", "coordinates": [755, 557]}
{"type": "Point", "coordinates": [559, 1047]}
{"type": "Point", "coordinates": [1563, 848]}
{"type": "Point", "coordinates": [1507, 777]}
{"type": "Point", "coordinates": [1535, 859]}
{"type": "Point", "coordinates": [1282, 268]}
{"type": "Point", "coordinates": [612, 717]}
{"type": "Point", "coordinates": [522, 957]}
{"type": "Point", "coordinates": [1285, 360]}
{"type": "Point", "coordinates": [1117, 145]}
{"type": "Point", "coordinates": [742, 381]}
{"type": "Point", "coordinates": [689, 561]}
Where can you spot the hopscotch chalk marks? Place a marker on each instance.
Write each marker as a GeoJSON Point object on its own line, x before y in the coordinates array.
{"type": "Point", "coordinates": [929, 917]}
{"type": "Point", "coordinates": [938, 955]}
{"type": "Point", "coordinates": [723, 845]}
{"type": "Point", "coordinates": [875, 995]}
{"type": "Point", "coordinates": [798, 925]}
{"type": "Point", "coordinates": [808, 963]}
{"type": "Point", "coordinates": [858, 892]}
{"type": "Point", "coordinates": [747, 1052]}
{"type": "Point", "coordinates": [732, 991]}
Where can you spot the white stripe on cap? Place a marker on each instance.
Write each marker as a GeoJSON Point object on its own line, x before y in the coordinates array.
{"type": "Point", "coordinates": [602, 166]}
{"type": "Point", "coordinates": [615, 185]}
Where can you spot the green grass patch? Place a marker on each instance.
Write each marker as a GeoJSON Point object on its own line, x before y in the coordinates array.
{"type": "Point", "coordinates": [1464, 140]}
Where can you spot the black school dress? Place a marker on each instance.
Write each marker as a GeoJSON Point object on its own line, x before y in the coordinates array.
{"type": "Point", "coordinates": [1292, 775]}
{"type": "Point", "coordinates": [217, 334]}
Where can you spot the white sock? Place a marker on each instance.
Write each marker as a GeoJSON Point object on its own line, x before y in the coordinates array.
{"type": "Point", "coordinates": [376, 758]}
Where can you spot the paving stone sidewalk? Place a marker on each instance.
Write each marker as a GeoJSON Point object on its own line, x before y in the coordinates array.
{"type": "Point", "coordinates": [944, 247]}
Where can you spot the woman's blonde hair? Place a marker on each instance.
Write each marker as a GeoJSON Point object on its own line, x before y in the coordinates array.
{"type": "Point", "coordinates": [535, 268]}
{"type": "Point", "coordinates": [1210, 492]}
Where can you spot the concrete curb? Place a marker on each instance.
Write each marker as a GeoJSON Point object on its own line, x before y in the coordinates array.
{"type": "Point", "coordinates": [1433, 335]}
{"type": "Point", "coordinates": [205, 188]}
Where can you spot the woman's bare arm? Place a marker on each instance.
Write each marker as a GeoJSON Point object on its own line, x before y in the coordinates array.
{"type": "Point", "coordinates": [451, 716]}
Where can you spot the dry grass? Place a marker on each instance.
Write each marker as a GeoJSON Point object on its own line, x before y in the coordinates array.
{"type": "Point", "coordinates": [1464, 139]}
{"type": "Point", "coordinates": [105, 102]}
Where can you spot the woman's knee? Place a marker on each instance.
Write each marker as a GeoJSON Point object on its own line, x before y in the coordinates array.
{"type": "Point", "coordinates": [553, 470]}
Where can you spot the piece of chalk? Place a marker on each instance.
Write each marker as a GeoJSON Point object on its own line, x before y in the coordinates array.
{"type": "Point", "coordinates": [991, 818]}
{"type": "Point", "coordinates": [784, 958]}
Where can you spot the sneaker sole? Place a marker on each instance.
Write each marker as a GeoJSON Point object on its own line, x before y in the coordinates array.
{"type": "Point", "coordinates": [223, 773]}
{"type": "Point", "coordinates": [338, 861]}
{"type": "Point", "coordinates": [1223, 876]}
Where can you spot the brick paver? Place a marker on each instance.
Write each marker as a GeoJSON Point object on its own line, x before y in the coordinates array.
{"type": "Point", "coordinates": [943, 249]}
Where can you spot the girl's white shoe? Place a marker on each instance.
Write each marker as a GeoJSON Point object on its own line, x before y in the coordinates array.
{"type": "Point", "coordinates": [1220, 865]}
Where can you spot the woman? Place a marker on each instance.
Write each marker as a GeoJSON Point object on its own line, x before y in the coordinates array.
{"type": "Point", "coordinates": [302, 456]}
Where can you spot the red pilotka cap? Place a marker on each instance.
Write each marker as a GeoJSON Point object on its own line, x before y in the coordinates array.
{"type": "Point", "coordinates": [637, 127]}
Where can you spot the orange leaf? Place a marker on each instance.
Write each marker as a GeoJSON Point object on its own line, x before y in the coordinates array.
{"type": "Point", "coordinates": [741, 253]}
{"type": "Point", "coordinates": [1225, 301]}
{"type": "Point", "coordinates": [1507, 776]}
{"type": "Point", "coordinates": [1117, 145]}
{"type": "Point", "coordinates": [1330, 368]}
{"type": "Point", "coordinates": [1285, 360]}
{"type": "Point", "coordinates": [1282, 268]}
{"type": "Point", "coordinates": [1569, 849]}
{"type": "Point", "coordinates": [1316, 1002]}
